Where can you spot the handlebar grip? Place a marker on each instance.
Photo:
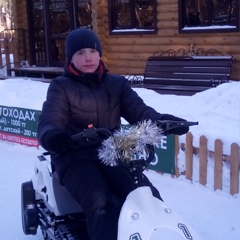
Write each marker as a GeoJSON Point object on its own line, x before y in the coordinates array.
{"type": "Point", "coordinates": [77, 136]}
{"type": "Point", "coordinates": [167, 125]}
{"type": "Point", "coordinates": [191, 123]}
{"type": "Point", "coordinates": [90, 133]}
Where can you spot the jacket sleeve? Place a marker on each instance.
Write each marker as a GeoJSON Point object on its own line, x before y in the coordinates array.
{"type": "Point", "coordinates": [134, 109]}
{"type": "Point", "coordinates": [54, 111]}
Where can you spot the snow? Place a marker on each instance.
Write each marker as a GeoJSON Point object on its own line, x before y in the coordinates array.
{"type": "Point", "coordinates": [213, 214]}
{"type": "Point", "coordinates": [209, 27]}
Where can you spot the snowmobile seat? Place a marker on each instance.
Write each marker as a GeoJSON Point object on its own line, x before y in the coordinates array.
{"type": "Point", "coordinates": [66, 204]}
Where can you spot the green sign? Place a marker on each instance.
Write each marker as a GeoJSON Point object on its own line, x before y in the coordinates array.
{"type": "Point", "coordinates": [165, 156]}
{"type": "Point", "coordinates": [19, 125]}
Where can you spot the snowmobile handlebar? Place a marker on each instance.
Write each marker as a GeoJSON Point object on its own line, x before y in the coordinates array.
{"type": "Point", "coordinates": [167, 125]}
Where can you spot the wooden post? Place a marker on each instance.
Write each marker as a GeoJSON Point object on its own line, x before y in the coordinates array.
{"type": "Point", "coordinates": [189, 156]}
{"type": "Point", "coordinates": [234, 169]}
{"type": "Point", "coordinates": [218, 149]}
{"type": "Point", "coordinates": [6, 47]}
{"type": "Point", "coordinates": [203, 153]}
{"type": "Point", "coordinates": [15, 48]}
{"type": "Point", "coordinates": [176, 156]}
{"type": "Point", "coordinates": [1, 48]}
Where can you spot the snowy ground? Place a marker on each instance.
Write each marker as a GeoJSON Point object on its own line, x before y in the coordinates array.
{"type": "Point", "coordinates": [213, 214]}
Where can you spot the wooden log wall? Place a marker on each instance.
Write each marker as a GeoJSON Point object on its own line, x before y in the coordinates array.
{"type": "Point", "coordinates": [19, 10]}
{"type": "Point", "coordinates": [127, 54]}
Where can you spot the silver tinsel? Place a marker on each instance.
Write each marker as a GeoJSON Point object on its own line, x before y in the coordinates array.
{"type": "Point", "coordinates": [128, 144]}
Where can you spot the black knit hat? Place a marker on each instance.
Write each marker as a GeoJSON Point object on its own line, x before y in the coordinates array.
{"type": "Point", "coordinates": [81, 38]}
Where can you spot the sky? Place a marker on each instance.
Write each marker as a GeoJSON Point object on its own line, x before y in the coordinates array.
{"type": "Point", "coordinates": [213, 214]}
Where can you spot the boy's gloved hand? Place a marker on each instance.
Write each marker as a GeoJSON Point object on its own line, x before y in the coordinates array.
{"type": "Point", "coordinates": [175, 131]}
{"type": "Point", "coordinates": [58, 140]}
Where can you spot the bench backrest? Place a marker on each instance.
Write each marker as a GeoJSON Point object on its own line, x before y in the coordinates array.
{"type": "Point", "coordinates": [195, 70]}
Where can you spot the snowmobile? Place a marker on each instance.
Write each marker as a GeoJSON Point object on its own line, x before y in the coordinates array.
{"type": "Point", "coordinates": [45, 203]}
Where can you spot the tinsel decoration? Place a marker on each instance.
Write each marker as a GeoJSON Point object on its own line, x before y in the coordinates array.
{"type": "Point", "coordinates": [127, 144]}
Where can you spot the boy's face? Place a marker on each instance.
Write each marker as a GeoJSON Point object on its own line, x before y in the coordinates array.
{"type": "Point", "coordinates": [86, 60]}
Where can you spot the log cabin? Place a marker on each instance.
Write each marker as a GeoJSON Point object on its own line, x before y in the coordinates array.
{"type": "Point", "coordinates": [130, 31]}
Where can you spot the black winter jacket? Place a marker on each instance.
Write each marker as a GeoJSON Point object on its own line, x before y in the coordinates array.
{"type": "Point", "coordinates": [75, 102]}
{"type": "Point", "coordinates": [72, 105]}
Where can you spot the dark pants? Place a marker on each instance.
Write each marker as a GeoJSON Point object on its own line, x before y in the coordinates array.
{"type": "Point", "coordinates": [93, 185]}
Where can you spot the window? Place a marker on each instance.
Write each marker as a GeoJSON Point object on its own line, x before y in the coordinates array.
{"type": "Point", "coordinates": [59, 15]}
{"type": "Point", "coordinates": [49, 23]}
{"type": "Point", "coordinates": [132, 16]}
{"type": "Point", "coordinates": [6, 15]}
{"type": "Point", "coordinates": [84, 12]}
{"type": "Point", "coordinates": [208, 15]}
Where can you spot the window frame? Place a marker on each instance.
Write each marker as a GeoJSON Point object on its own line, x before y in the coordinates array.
{"type": "Point", "coordinates": [204, 29]}
{"type": "Point", "coordinates": [129, 31]}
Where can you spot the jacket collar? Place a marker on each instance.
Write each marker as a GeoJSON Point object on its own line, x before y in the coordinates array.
{"type": "Point", "coordinates": [71, 71]}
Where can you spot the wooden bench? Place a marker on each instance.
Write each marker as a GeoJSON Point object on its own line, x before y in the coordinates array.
{"type": "Point", "coordinates": [46, 80]}
{"type": "Point", "coordinates": [36, 72]}
{"type": "Point", "coordinates": [184, 75]}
